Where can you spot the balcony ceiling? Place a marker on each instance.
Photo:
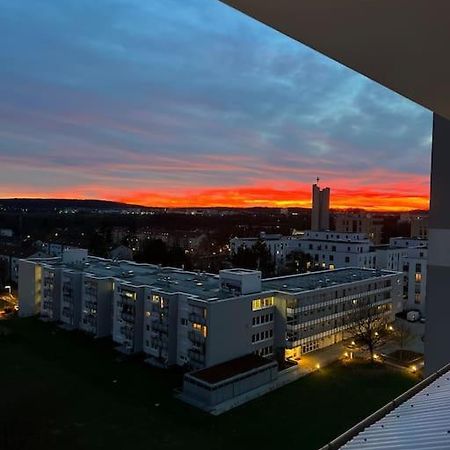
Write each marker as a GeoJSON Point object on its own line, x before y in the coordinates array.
{"type": "Point", "coordinates": [402, 44]}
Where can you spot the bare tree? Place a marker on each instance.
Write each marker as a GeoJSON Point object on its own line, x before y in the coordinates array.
{"type": "Point", "coordinates": [369, 329]}
{"type": "Point", "coordinates": [402, 334]}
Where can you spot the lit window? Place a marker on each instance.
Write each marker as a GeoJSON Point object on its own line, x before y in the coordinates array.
{"type": "Point", "coordinates": [262, 303]}
{"type": "Point", "coordinates": [201, 328]}
{"type": "Point", "coordinates": [256, 304]}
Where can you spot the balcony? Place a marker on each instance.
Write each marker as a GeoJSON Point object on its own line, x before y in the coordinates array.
{"type": "Point", "coordinates": [47, 305]}
{"type": "Point", "coordinates": [127, 317]}
{"type": "Point", "coordinates": [127, 298]}
{"type": "Point", "coordinates": [196, 337]}
{"type": "Point", "coordinates": [67, 290]}
{"type": "Point", "coordinates": [68, 299]}
{"type": "Point", "coordinates": [196, 356]}
{"type": "Point", "coordinates": [127, 333]}
{"type": "Point", "coordinates": [197, 318]}
{"type": "Point", "coordinates": [67, 312]}
{"type": "Point", "coordinates": [91, 291]}
{"type": "Point", "coordinates": [91, 305]}
{"type": "Point", "coordinates": [160, 327]}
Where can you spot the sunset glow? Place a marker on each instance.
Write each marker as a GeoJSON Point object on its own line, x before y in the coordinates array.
{"type": "Point", "coordinates": [369, 198]}
{"type": "Point", "coordinates": [176, 104]}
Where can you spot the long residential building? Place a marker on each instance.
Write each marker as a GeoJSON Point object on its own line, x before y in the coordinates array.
{"type": "Point", "coordinates": [197, 319]}
{"type": "Point", "coordinates": [328, 249]}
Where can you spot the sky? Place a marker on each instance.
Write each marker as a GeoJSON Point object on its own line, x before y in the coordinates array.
{"type": "Point", "coordinates": [191, 103]}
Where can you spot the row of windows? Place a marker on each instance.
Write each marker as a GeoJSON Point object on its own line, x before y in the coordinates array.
{"type": "Point", "coordinates": [265, 351]}
{"type": "Point", "coordinates": [262, 336]}
{"type": "Point", "coordinates": [344, 305]}
{"type": "Point", "coordinates": [310, 347]}
{"type": "Point", "coordinates": [265, 318]}
{"type": "Point", "coordinates": [338, 294]}
{"type": "Point", "coordinates": [336, 320]}
{"type": "Point", "coordinates": [262, 303]}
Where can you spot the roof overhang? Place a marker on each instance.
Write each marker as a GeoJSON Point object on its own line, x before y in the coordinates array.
{"type": "Point", "coordinates": [401, 44]}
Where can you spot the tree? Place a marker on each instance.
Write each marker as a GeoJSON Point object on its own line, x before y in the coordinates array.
{"type": "Point", "coordinates": [296, 262]}
{"type": "Point", "coordinates": [244, 258]}
{"type": "Point", "coordinates": [154, 251]}
{"type": "Point", "coordinates": [402, 334]}
{"type": "Point", "coordinates": [98, 245]}
{"type": "Point", "coordinates": [257, 257]}
{"type": "Point", "coordinates": [264, 258]}
{"type": "Point", "coordinates": [369, 329]}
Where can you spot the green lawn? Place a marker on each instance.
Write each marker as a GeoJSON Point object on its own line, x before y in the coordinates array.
{"type": "Point", "coordinates": [63, 390]}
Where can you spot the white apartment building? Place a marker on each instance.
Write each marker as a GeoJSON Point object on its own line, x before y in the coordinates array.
{"type": "Point", "coordinates": [408, 242]}
{"type": "Point", "coordinates": [200, 320]}
{"type": "Point", "coordinates": [411, 256]}
{"type": "Point", "coordinates": [328, 249]}
{"type": "Point", "coordinates": [390, 257]}
{"type": "Point", "coordinates": [331, 249]}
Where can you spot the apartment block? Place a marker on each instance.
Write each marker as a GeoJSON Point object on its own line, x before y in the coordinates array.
{"type": "Point", "coordinates": [365, 223]}
{"type": "Point", "coordinates": [328, 249]}
{"type": "Point", "coordinates": [199, 320]}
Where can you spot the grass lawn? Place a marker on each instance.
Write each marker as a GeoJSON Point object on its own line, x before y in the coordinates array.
{"type": "Point", "coordinates": [64, 390]}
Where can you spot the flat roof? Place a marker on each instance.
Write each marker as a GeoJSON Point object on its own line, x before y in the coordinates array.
{"type": "Point", "coordinates": [207, 286]}
{"type": "Point", "coordinates": [221, 372]}
{"type": "Point", "coordinates": [168, 279]}
{"type": "Point", "coordinates": [322, 279]}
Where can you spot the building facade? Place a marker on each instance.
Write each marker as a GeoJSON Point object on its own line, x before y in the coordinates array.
{"type": "Point", "coordinates": [370, 225]}
{"type": "Point", "coordinates": [328, 249]}
{"type": "Point", "coordinates": [199, 320]}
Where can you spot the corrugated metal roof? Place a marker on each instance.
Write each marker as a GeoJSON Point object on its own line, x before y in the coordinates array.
{"type": "Point", "coordinates": [421, 422]}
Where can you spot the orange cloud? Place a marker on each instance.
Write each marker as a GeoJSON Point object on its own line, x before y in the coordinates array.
{"type": "Point", "coordinates": [401, 196]}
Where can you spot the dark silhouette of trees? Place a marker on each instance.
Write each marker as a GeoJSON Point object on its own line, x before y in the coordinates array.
{"type": "Point", "coordinates": [402, 334]}
{"type": "Point", "coordinates": [370, 327]}
{"type": "Point", "coordinates": [257, 257]}
{"type": "Point", "coordinates": [296, 262]}
{"type": "Point", "coordinates": [156, 251]}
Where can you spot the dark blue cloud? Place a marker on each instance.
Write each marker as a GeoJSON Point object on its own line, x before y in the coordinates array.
{"type": "Point", "coordinates": [104, 90]}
